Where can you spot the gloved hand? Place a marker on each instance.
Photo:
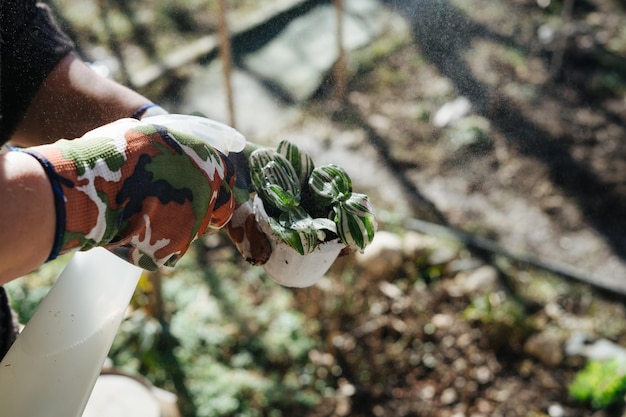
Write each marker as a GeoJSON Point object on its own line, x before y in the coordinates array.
{"type": "Point", "coordinates": [141, 189]}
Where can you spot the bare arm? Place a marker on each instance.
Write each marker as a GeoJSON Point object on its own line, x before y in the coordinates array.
{"type": "Point", "coordinates": [27, 216]}
{"type": "Point", "coordinates": [73, 100]}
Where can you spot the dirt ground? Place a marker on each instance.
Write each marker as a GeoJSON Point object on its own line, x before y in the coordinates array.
{"type": "Point", "coordinates": [537, 164]}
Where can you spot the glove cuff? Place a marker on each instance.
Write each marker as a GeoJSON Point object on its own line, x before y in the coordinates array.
{"type": "Point", "coordinates": [84, 219]}
{"type": "Point", "coordinates": [148, 110]}
{"type": "Point", "coordinates": [59, 202]}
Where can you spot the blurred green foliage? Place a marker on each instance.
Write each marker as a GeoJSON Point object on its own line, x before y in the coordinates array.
{"type": "Point", "coordinates": [601, 383]}
{"type": "Point", "coordinates": [225, 339]}
{"type": "Point", "coordinates": [26, 293]}
{"type": "Point", "coordinates": [228, 343]}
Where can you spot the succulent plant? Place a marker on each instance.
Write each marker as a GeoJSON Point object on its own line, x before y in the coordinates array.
{"type": "Point", "coordinates": [309, 205]}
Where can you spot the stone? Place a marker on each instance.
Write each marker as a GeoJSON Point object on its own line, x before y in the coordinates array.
{"type": "Point", "coordinates": [601, 349]}
{"type": "Point", "coordinates": [442, 321]}
{"type": "Point", "coordinates": [285, 63]}
{"type": "Point", "coordinates": [556, 410]}
{"type": "Point", "coordinates": [449, 396]}
{"type": "Point", "coordinates": [390, 290]}
{"type": "Point", "coordinates": [478, 281]}
{"type": "Point", "coordinates": [442, 255]}
{"type": "Point", "coordinates": [417, 244]}
{"type": "Point", "coordinates": [297, 59]}
{"type": "Point", "coordinates": [383, 256]}
{"type": "Point", "coordinates": [546, 346]}
{"type": "Point", "coordinates": [122, 396]}
{"type": "Point", "coordinates": [452, 111]}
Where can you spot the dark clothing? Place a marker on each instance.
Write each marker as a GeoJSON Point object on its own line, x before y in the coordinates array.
{"type": "Point", "coordinates": [8, 324]}
{"type": "Point", "coordinates": [31, 45]}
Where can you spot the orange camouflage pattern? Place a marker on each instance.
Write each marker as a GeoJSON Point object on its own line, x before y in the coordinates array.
{"type": "Point", "coordinates": [248, 238]}
{"type": "Point", "coordinates": [141, 190]}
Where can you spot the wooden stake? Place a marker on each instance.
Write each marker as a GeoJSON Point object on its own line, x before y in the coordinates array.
{"type": "Point", "coordinates": [556, 65]}
{"type": "Point", "coordinates": [226, 57]}
{"type": "Point", "coordinates": [340, 73]}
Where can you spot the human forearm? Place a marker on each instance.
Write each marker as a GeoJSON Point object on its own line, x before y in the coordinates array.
{"type": "Point", "coordinates": [27, 216]}
{"type": "Point", "coordinates": [73, 100]}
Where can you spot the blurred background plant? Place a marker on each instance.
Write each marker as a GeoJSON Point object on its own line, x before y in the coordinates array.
{"type": "Point", "coordinates": [602, 383]}
{"type": "Point", "coordinates": [224, 339]}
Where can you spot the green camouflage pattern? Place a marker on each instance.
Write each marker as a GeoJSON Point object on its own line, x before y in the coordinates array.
{"type": "Point", "coordinates": [142, 190]}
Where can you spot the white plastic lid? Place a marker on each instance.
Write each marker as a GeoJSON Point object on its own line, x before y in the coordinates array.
{"type": "Point", "coordinates": [220, 136]}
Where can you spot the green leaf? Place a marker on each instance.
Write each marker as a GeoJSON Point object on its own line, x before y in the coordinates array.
{"type": "Point", "coordinates": [274, 178]}
{"type": "Point", "coordinates": [282, 199]}
{"type": "Point", "coordinates": [294, 217]}
{"type": "Point", "coordinates": [257, 161]}
{"type": "Point", "coordinates": [297, 233]}
{"type": "Point", "coordinates": [321, 224]}
{"type": "Point", "coordinates": [330, 184]}
{"type": "Point", "coordinates": [356, 222]}
{"type": "Point", "coordinates": [300, 160]}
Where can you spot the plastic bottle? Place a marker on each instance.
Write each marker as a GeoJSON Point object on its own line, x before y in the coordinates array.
{"type": "Point", "coordinates": [53, 365]}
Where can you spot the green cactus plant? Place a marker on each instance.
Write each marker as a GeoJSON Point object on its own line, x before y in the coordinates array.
{"type": "Point", "coordinates": [309, 205]}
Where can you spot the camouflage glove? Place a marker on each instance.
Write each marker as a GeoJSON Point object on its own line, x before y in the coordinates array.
{"type": "Point", "coordinates": [140, 189]}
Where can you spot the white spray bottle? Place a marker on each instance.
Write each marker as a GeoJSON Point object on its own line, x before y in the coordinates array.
{"type": "Point", "coordinates": [53, 365]}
